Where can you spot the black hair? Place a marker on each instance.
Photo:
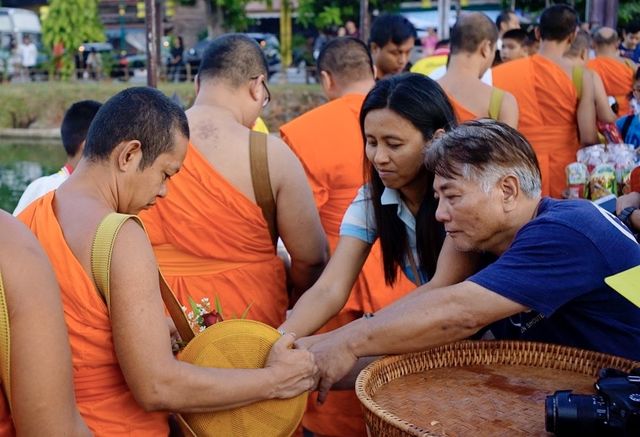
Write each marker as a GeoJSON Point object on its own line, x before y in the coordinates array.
{"type": "Point", "coordinates": [391, 28]}
{"type": "Point", "coordinates": [504, 16]}
{"type": "Point", "coordinates": [139, 113]}
{"type": "Point", "coordinates": [558, 22]}
{"type": "Point", "coordinates": [424, 104]}
{"type": "Point", "coordinates": [516, 35]}
{"type": "Point", "coordinates": [235, 57]}
{"type": "Point", "coordinates": [633, 26]}
{"type": "Point", "coordinates": [346, 57]}
{"type": "Point", "coordinates": [75, 124]}
{"type": "Point", "coordinates": [470, 31]}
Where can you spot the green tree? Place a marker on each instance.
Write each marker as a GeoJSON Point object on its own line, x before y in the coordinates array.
{"type": "Point", "coordinates": [71, 23]}
{"type": "Point", "coordinates": [226, 16]}
{"type": "Point", "coordinates": [326, 13]}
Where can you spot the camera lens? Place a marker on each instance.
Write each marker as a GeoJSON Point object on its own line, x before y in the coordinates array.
{"type": "Point", "coordinates": [568, 414]}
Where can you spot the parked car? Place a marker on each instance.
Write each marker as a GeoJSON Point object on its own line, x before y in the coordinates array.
{"type": "Point", "coordinates": [267, 41]}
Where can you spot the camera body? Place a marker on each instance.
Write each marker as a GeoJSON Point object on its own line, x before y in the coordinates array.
{"type": "Point", "coordinates": [613, 411]}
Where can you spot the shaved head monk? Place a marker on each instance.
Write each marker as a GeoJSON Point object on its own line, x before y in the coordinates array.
{"type": "Point", "coordinates": [578, 55]}
{"type": "Point", "coordinates": [329, 143]}
{"type": "Point", "coordinates": [211, 238]}
{"type": "Point", "coordinates": [473, 48]}
{"type": "Point", "coordinates": [555, 98]}
{"type": "Point", "coordinates": [125, 374]}
{"type": "Point", "coordinates": [617, 73]}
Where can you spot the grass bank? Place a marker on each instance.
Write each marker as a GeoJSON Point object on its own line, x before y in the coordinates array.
{"type": "Point", "coordinates": [42, 104]}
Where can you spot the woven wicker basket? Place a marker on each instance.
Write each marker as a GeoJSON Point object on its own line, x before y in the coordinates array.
{"type": "Point", "coordinates": [474, 387]}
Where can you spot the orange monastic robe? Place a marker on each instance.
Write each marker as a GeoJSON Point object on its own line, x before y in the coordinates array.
{"type": "Point", "coordinates": [548, 104]}
{"type": "Point", "coordinates": [102, 395]}
{"type": "Point", "coordinates": [617, 78]}
{"type": "Point", "coordinates": [462, 113]}
{"type": "Point", "coordinates": [211, 240]}
{"type": "Point", "coordinates": [329, 143]}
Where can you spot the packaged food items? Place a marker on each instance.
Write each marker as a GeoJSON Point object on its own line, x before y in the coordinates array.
{"type": "Point", "coordinates": [602, 181]}
{"type": "Point", "coordinates": [577, 178]}
{"type": "Point", "coordinates": [592, 156]}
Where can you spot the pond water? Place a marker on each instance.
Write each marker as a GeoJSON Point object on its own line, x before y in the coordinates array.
{"type": "Point", "coordinates": [21, 162]}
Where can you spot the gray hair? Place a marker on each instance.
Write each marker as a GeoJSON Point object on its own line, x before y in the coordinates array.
{"type": "Point", "coordinates": [485, 151]}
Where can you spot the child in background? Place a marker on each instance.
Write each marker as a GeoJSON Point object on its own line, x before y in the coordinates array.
{"type": "Point", "coordinates": [513, 45]}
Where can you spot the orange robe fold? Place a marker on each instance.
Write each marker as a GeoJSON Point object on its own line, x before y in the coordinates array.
{"type": "Point", "coordinates": [103, 397]}
{"type": "Point", "coordinates": [548, 102]}
{"type": "Point", "coordinates": [617, 78]}
{"type": "Point", "coordinates": [329, 144]}
{"type": "Point", "coordinates": [211, 240]}
{"type": "Point", "coordinates": [462, 113]}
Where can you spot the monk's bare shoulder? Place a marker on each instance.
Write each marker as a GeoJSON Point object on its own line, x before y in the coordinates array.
{"type": "Point", "coordinates": [23, 264]}
{"type": "Point", "coordinates": [284, 166]}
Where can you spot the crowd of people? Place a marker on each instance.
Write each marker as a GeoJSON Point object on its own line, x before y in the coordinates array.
{"type": "Point", "coordinates": [414, 212]}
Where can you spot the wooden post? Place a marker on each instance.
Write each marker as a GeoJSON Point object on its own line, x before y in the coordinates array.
{"type": "Point", "coordinates": [444, 8]}
{"type": "Point", "coordinates": [364, 20]}
{"type": "Point", "coordinates": [151, 26]}
{"type": "Point", "coordinates": [285, 38]}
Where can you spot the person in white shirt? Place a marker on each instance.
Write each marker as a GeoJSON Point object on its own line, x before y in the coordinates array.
{"type": "Point", "coordinates": [73, 131]}
{"type": "Point", "coordinates": [28, 55]}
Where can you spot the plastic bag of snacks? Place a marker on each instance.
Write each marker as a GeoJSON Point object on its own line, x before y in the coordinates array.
{"type": "Point", "coordinates": [601, 162]}
{"type": "Point", "coordinates": [592, 156]}
{"type": "Point", "coordinates": [602, 181]}
{"type": "Point", "coordinates": [577, 179]}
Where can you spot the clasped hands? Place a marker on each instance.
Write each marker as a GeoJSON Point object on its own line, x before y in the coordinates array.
{"type": "Point", "coordinates": [333, 359]}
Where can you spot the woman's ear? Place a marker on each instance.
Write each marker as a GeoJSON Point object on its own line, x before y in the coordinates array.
{"type": "Point", "coordinates": [438, 134]}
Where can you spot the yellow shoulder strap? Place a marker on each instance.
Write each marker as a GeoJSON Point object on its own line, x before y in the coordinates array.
{"type": "Point", "coordinates": [577, 74]}
{"type": "Point", "coordinates": [5, 345]}
{"type": "Point", "coordinates": [495, 103]}
{"type": "Point", "coordinates": [101, 251]}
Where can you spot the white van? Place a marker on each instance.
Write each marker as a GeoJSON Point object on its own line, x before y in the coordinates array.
{"type": "Point", "coordinates": [15, 24]}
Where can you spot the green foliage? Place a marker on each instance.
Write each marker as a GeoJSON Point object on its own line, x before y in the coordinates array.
{"type": "Point", "coordinates": [628, 12]}
{"type": "Point", "coordinates": [71, 22]}
{"type": "Point", "coordinates": [327, 13]}
{"type": "Point", "coordinates": [234, 17]}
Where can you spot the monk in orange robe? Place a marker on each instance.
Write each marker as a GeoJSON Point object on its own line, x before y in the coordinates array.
{"type": "Point", "coordinates": [473, 44]}
{"type": "Point", "coordinates": [209, 235]}
{"type": "Point", "coordinates": [329, 143]}
{"type": "Point", "coordinates": [125, 374]}
{"type": "Point", "coordinates": [617, 73]}
{"type": "Point", "coordinates": [554, 116]}
{"type": "Point", "coordinates": [103, 398]}
{"type": "Point", "coordinates": [39, 379]}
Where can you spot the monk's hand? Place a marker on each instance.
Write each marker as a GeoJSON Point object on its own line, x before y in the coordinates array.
{"type": "Point", "coordinates": [176, 341]}
{"type": "Point", "coordinates": [335, 360]}
{"type": "Point", "coordinates": [294, 371]}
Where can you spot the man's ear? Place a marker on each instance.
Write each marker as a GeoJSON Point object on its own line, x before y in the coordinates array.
{"type": "Point", "coordinates": [129, 155]}
{"type": "Point", "coordinates": [326, 80]}
{"type": "Point", "coordinates": [510, 187]}
{"type": "Point", "coordinates": [374, 48]}
{"type": "Point", "coordinates": [255, 88]}
{"type": "Point", "coordinates": [486, 49]}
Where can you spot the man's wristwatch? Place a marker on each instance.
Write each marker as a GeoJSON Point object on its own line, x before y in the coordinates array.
{"type": "Point", "coordinates": [625, 216]}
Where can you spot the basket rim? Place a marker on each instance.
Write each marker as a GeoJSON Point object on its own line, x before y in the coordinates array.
{"type": "Point", "coordinates": [555, 350]}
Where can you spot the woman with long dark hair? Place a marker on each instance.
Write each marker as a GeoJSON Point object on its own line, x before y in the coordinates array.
{"type": "Point", "coordinates": [399, 118]}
